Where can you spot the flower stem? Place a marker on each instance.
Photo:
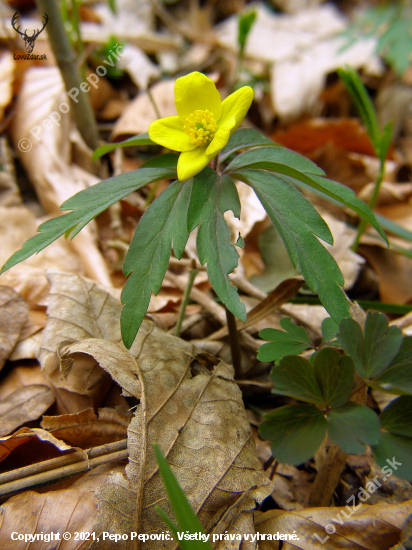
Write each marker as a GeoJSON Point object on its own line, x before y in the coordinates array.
{"type": "Point", "coordinates": [185, 300]}
{"type": "Point", "coordinates": [234, 343]}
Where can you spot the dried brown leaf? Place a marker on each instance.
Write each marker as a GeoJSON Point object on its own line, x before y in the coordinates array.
{"type": "Point", "coordinates": [66, 510]}
{"type": "Point", "coordinates": [24, 405]}
{"type": "Point", "coordinates": [25, 436]}
{"type": "Point", "coordinates": [367, 528]}
{"type": "Point", "coordinates": [88, 429]}
{"type": "Point", "coordinates": [189, 405]}
{"type": "Point", "coordinates": [13, 315]}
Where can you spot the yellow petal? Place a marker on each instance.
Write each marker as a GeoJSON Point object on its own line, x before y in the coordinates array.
{"type": "Point", "coordinates": [196, 92]}
{"type": "Point", "coordinates": [192, 162]}
{"type": "Point", "coordinates": [169, 132]}
{"type": "Point", "coordinates": [234, 109]}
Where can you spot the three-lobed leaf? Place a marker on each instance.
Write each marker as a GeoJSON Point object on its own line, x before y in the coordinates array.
{"type": "Point", "coordinates": [295, 432]}
{"type": "Point", "coordinates": [335, 376]}
{"type": "Point", "coordinates": [289, 341]}
{"type": "Point", "coordinates": [295, 377]}
{"type": "Point", "coordinates": [397, 378]}
{"type": "Point", "coordinates": [373, 350]}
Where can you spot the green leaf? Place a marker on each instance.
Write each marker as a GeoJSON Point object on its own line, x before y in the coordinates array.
{"type": "Point", "coordinates": [396, 417]}
{"type": "Point", "coordinates": [212, 196]}
{"type": "Point", "coordinates": [293, 341]}
{"type": "Point", "coordinates": [373, 351]}
{"type": "Point", "coordinates": [274, 159]}
{"type": "Point", "coordinates": [89, 203]}
{"type": "Point", "coordinates": [245, 23]}
{"type": "Point", "coordinates": [329, 329]}
{"type": "Point", "coordinates": [397, 378]}
{"type": "Point", "coordinates": [148, 256]}
{"type": "Point", "coordinates": [295, 377]}
{"type": "Point", "coordinates": [335, 376]}
{"type": "Point", "coordinates": [353, 426]}
{"type": "Point", "coordinates": [363, 103]}
{"type": "Point", "coordinates": [296, 432]}
{"type": "Point", "coordinates": [245, 138]}
{"type": "Point", "coordinates": [297, 222]}
{"type": "Point", "coordinates": [186, 518]}
{"type": "Point", "coordinates": [394, 455]}
{"type": "Point", "coordinates": [141, 139]}
{"type": "Point", "coordinates": [386, 140]}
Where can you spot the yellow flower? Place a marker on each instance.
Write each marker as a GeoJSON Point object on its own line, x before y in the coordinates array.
{"type": "Point", "coordinates": [203, 123]}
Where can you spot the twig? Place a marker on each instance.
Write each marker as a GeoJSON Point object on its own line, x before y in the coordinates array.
{"type": "Point", "coordinates": [67, 62]}
{"type": "Point", "coordinates": [56, 468]}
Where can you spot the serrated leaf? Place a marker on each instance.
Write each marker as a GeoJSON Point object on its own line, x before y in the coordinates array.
{"type": "Point", "coordinates": [353, 426]}
{"type": "Point", "coordinates": [148, 256]}
{"type": "Point", "coordinates": [89, 203]}
{"type": "Point", "coordinates": [141, 139]}
{"type": "Point", "coordinates": [296, 431]}
{"type": "Point", "coordinates": [394, 454]}
{"type": "Point", "coordinates": [396, 417]}
{"type": "Point", "coordinates": [245, 138]}
{"type": "Point", "coordinates": [295, 377]}
{"type": "Point", "coordinates": [216, 196]}
{"type": "Point", "coordinates": [335, 376]}
{"type": "Point", "coordinates": [297, 222]}
{"type": "Point", "coordinates": [269, 158]}
{"type": "Point", "coordinates": [373, 351]}
{"type": "Point", "coordinates": [184, 513]}
{"type": "Point", "coordinates": [397, 378]}
{"type": "Point", "coordinates": [292, 340]}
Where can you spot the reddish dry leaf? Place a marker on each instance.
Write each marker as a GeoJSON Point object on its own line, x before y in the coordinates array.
{"type": "Point", "coordinates": [42, 440]}
{"type": "Point", "coordinates": [24, 405]}
{"type": "Point", "coordinates": [87, 429]}
{"type": "Point", "coordinates": [369, 528]}
{"type": "Point", "coordinates": [66, 510]}
{"type": "Point", "coordinates": [13, 315]}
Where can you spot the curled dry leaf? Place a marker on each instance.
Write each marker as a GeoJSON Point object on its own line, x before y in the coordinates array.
{"type": "Point", "coordinates": [367, 528]}
{"type": "Point", "coordinates": [25, 436]}
{"type": "Point", "coordinates": [24, 405]}
{"type": "Point", "coordinates": [64, 510]}
{"type": "Point", "coordinates": [88, 429]}
{"type": "Point", "coordinates": [188, 404]}
{"type": "Point", "coordinates": [14, 314]}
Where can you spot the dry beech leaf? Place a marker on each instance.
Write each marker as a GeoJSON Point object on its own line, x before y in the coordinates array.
{"type": "Point", "coordinates": [64, 510]}
{"type": "Point", "coordinates": [25, 436]}
{"type": "Point", "coordinates": [24, 405]}
{"type": "Point", "coordinates": [368, 528]}
{"type": "Point", "coordinates": [48, 157]}
{"type": "Point", "coordinates": [6, 79]}
{"type": "Point", "coordinates": [189, 405]}
{"type": "Point", "coordinates": [21, 376]}
{"type": "Point", "coordinates": [14, 313]}
{"type": "Point", "coordinates": [17, 224]}
{"type": "Point", "coordinates": [88, 429]}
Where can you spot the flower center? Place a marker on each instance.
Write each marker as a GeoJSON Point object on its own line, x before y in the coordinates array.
{"type": "Point", "coordinates": [200, 126]}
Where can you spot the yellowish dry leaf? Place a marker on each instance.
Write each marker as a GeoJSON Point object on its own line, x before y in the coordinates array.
{"type": "Point", "coordinates": [6, 79]}
{"type": "Point", "coordinates": [367, 528]}
{"type": "Point", "coordinates": [13, 315]}
{"type": "Point", "coordinates": [24, 405]}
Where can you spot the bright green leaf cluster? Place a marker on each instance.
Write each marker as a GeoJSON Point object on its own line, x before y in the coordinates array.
{"type": "Point", "coordinates": [380, 356]}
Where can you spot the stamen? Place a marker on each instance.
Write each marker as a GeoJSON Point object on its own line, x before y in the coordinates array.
{"type": "Point", "coordinates": [200, 126]}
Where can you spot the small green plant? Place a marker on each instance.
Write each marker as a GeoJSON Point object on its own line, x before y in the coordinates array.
{"type": "Point", "coordinates": [188, 523]}
{"type": "Point", "coordinates": [377, 356]}
{"type": "Point", "coordinates": [213, 155]}
{"type": "Point", "coordinates": [391, 23]}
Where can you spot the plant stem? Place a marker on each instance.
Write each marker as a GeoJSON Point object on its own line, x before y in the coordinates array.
{"type": "Point", "coordinates": [234, 343]}
{"type": "Point", "coordinates": [67, 62]}
{"type": "Point", "coordinates": [153, 102]}
{"type": "Point", "coordinates": [56, 468]}
{"type": "Point", "coordinates": [185, 300]}
{"type": "Point", "coordinates": [372, 202]}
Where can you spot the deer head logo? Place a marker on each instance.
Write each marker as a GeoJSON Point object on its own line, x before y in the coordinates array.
{"type": "Point", "coordinates": [28, 40]}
